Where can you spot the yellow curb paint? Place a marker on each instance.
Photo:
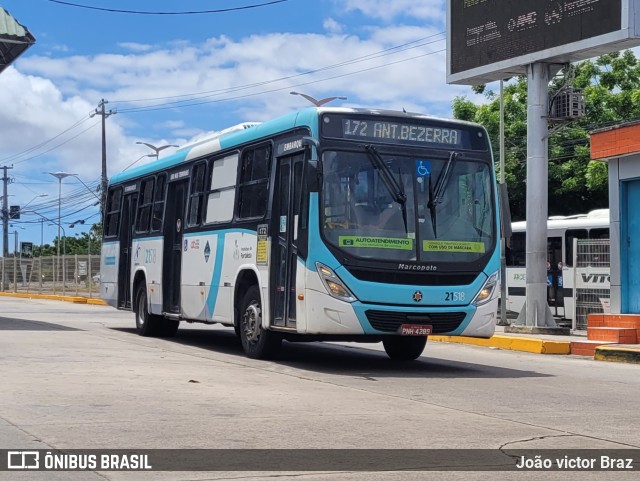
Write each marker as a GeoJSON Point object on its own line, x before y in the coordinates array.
{"type": "Point", "coordinates": [74, 299]}
{"type": "Point", "coordinates": [617, 354]}
{"type": "Point", "coordinates": [55, 297]}
{"type": "Point", "coordinates": [96, 302]}
{"type": "Point", "coordinates": [511, 343]}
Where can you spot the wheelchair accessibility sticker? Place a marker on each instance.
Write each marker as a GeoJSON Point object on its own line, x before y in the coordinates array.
{"type": "Point", "coordinates": [423, 168]}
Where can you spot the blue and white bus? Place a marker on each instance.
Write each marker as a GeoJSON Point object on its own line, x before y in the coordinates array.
{"type": "Point", "coordinates": [325, 224]}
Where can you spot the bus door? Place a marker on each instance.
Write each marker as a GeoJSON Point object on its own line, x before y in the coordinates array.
{"type": "Point", "coordinates": [127, 221]}
{"type": "Point", "coordinates": [285, 216]}
{"type": "Point", "coordinates": [172, 256]}
{"type": "Point", "coordinates": [555, 291]}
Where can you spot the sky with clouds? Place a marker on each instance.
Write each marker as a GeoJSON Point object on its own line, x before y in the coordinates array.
{"type": "Point", "coordinates": [174, 77]}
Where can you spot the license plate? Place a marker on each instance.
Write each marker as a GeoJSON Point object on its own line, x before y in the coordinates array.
{"type": "Point", "coordinates": [415, 330]}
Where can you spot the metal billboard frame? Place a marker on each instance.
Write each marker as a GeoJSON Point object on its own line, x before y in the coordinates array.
{"type": "Point", "coordinates": [628, 36]}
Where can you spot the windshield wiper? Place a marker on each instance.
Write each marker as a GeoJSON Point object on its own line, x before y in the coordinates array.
{"type": "Point", "coordinates": [394, 187]}
{"type": "Point", "coordinates": [435, 194]}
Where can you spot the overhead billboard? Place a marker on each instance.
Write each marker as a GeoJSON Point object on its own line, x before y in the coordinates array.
{"type": "Point", "coordinates": [492, 39]}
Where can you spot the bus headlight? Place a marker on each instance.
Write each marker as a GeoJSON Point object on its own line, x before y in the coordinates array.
{"type": "Point", "coordinates": [332, 283]}
{"type": "Point", "coordinates": [489, 287]}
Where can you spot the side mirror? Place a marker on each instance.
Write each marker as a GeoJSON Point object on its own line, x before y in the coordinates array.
{"type": "Point", "coordinates": [312, 176]}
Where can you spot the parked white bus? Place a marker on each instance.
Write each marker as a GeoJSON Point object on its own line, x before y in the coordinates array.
{"type": "Point", "coordinates": [561, 232]}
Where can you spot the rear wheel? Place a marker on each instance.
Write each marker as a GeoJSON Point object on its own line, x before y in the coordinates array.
{"type": "Point", "coordinates": [258, 343]}
{"type": "Point", "coordinates": [404, 348]}
{"type": "Point", "coordinates": [147, 324]}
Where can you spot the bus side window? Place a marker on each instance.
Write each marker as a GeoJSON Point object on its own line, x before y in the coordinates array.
{"type": "Point", "coordinates": [197, 194]}
{"type": "Point", "coordinates": [158, 203]}
{"type": "Point", "coordinates": [516, 254]}
{"type": "Point", "coordinates": [221, 197]}
{"type": "Point", "coordinates": [146, 203]}
{"type": "Point", "coordinates": [253, 186]}
{"type": "Point", "coordinates": [112, 217]}
{"type": "Point", "coordinates": [599, 234]}
{"type": "Point", "coordinates": [571, 234]}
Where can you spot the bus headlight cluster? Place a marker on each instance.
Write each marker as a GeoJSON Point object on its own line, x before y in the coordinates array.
{"type": "Point", "coordinates": [335, 287]}
{"type": "Point", "coordinates": [489, 287]}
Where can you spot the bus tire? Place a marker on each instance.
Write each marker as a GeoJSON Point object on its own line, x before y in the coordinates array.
{"type": "Point", "coordinates": [147, 324]}
{"type": "Point", "coordinates": [404, 348]}
{"type": "Point", "coordinates": [257, 342]}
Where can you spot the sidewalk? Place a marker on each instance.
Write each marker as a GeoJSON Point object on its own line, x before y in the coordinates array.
{"type": "Point", "coordinates": [548, 344]}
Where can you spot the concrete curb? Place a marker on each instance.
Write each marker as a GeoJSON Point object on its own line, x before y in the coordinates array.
{"type": "Point", "coordinates": [54, 297]}
{"type": "Point", "coordinates": [618, 354]}
{"type": "Point", "coordinates": [511, 343]}
{"type": "Point", "coordinates": [611, 353]}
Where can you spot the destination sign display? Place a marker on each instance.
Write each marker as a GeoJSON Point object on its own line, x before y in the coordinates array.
{"type": "Point", "coordinates": [400, 132]}
{"type": "Point", "coordinates": [433, 133]}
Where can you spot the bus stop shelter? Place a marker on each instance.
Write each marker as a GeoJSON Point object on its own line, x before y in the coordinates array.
{"type": "Point", "coordinates": [14, 39]}
{"type": "Point", "coordinates": [619, 146]}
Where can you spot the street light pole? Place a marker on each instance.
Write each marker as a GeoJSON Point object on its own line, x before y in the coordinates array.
{"type": "Point", "coordinates": [86, 186]}
{"type": "Point", "coordinates": [318, 103]}
{"type": "Point", "coordinates": [60, 176]}
{"type": "Point", "coordinates": [156, 149]}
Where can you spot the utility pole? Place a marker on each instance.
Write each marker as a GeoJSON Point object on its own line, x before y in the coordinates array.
{"type": "Point", "coordinates": [503, 242]}
{"type": "Point", "coordinates": [100, 110]}
{"type": "Point", "coordinates": [5, 212]}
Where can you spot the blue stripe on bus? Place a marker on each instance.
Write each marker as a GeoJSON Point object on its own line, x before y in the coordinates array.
{"type": "Point", "coordinates": [217, 275]}
{"type": "Point", "coordinates": [145, 239]}
{"type": "Point", "coordinates": [221, 231]}
{"type": "Point", "coordinates": [318, 251]}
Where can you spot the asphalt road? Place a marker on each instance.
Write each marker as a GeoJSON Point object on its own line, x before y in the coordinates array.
{"type": "Point", "coordinates": [79, 377]}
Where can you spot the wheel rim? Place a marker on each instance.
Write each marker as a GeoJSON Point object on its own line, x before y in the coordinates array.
{"type": "Point", "coordinates": [251, 321]}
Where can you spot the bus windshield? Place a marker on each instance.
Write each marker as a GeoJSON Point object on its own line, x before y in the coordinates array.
{"type": "Point", "coordinates": [446, 213]}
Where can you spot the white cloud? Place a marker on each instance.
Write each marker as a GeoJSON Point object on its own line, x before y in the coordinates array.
{"type": "Point", "coordinates": [389, 10]}
{"type": "Point", "coordinates": [135, 47]}
{"type": "Point", "coordinates": [332, 26]}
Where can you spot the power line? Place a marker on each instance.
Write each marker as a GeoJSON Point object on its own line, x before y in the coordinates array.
{"type": "Point", "coordinates": [58, 145]}
{"type": "Point", "coordinates": [42, 144]}
{"type": "Point", "coordinates": [162, 107]}
{"type": "Point", "coordinates": [195, 12]}
{"type": "Point", "coordinates": [195, 96]}
{"type": "Point", "coordinates": [370, 56]}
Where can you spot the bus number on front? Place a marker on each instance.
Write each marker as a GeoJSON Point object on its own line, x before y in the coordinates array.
{"type": "Point", "coordinates": [355, 127]}
{"type": "Point", "coordinates": [453, 296]}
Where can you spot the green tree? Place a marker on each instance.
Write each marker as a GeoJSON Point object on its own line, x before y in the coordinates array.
{"type": "Point", "coordinates": [80, 244]}
{"type": "Point", "coordinates": [611, 87]}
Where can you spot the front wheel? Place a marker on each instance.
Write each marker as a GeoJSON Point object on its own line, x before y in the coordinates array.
{"type": "Point", "coordinates": [404, 348]}
{"type": "Point", "coordinates": [257, 343]}
{"type": "Point", "coordinates": [147, 324]}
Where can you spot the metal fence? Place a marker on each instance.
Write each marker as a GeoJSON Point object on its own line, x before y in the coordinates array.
{"type": "Point", "coordinates": [75, 275]}
{"type": "Point", "coordinates": [592, 261]}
